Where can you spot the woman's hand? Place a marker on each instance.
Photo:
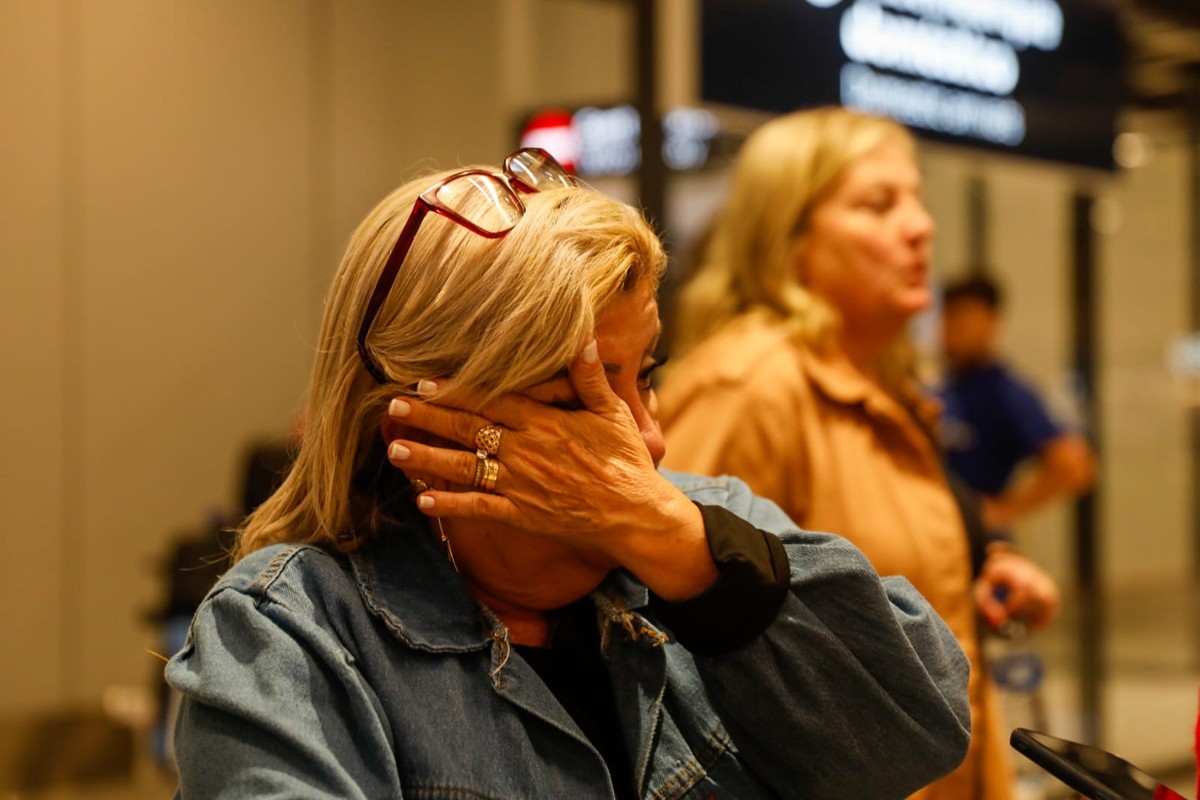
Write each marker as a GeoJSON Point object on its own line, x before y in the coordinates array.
{"type": "Point", "coordinates": [584, 477]}
{"type": "Point", "coordinates": [1012, 586]}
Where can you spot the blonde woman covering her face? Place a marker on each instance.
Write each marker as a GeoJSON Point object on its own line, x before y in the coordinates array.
{"type": "Point", "coordinates": [795, 378]}
{"type": "Point", "coordinates": [475, 581]}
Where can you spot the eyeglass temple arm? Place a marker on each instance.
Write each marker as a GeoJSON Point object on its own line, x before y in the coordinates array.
{"type": "Point", "coordinates": [384, 285]}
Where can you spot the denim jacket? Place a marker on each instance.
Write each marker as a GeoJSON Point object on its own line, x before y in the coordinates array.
{"type": "Point", "coordinates": [307, 674]}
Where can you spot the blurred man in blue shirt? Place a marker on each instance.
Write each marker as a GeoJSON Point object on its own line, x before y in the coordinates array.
{"type": "Point", "coordinates": [994, 422]}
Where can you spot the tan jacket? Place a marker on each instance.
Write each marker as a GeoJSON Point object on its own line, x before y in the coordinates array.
{"type": "Point", "coordinates": [838, 454]}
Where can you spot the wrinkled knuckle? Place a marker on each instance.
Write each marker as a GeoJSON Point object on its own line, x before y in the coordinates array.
{"type": "Point", "coordinates": [463, 428]}
{"type": "Point", "coordinates": [479, 505]}
{"type": "Point", "coordinates": [467, 465]}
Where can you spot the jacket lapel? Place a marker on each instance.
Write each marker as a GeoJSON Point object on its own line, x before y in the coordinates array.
{"type": "Point", "coordinates": [637, 669]}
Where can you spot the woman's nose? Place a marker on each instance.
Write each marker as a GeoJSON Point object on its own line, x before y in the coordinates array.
{"type": "Point", "coordinates": [920, 226]}
{"type": "Point", "coordinates": [655, 443]}
{"type": "Point", "coordinates": [647, 422]}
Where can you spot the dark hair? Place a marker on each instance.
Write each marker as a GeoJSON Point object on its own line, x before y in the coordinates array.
{"type": "Point", "coordinates": [974, 287]}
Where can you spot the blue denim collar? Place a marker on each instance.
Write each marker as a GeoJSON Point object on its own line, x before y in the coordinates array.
{"type": "Point", "coordinates": [410, 585]}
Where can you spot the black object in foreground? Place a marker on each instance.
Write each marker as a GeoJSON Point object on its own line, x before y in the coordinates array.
{"type": "Point", "coordinates": [1094, 773]}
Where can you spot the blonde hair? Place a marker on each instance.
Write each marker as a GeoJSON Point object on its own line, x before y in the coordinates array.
{"type": "Point", "coordinates": [783, 171]}
{"type": "Point", "coordinates": [491, 315]}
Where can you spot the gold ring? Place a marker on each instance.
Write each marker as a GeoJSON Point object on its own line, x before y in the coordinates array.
{"type": "Point", "coordinates": [487, 441]}
{"type": "Point", "coordinates": [490, 473]}
{"type": "Point", "coordinates": [480, 467]}
{"type": "Point", "coordinates": [420, 486]}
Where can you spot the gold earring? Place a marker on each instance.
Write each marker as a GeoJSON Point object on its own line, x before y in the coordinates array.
{"type": "Point", "coordinates": [420, 487]}
{"type": "Point", "coordinates": [446, 544]}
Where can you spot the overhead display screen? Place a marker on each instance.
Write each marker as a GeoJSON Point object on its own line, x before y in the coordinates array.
{"type": "Point", "coordinates": [1039, 78]}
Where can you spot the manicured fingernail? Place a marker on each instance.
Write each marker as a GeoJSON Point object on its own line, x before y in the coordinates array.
{"type": "Point", "coordinates": [590, 352]}
{"type": "Point", "coordinates": [399, 408]}
{"type": "Point", "coordinates": [398, 452]}
{"type": "Point", "coordinates": [426, 387]}
{"type": "Point", "coordinates": [424, 501]}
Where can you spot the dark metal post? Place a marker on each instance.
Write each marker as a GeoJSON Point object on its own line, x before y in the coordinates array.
{"type": "Point", "coordinates": [652, 174]}
{"type": "Point", "coordinates": [1087, 540]}
{"type": "Point", "coordinates": [1194, 325]}
{"type": "Point", "coordinates": [977, 224]}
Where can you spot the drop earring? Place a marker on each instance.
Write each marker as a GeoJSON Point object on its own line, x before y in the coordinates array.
{"type": "Point", "coordinates": [419, 487]}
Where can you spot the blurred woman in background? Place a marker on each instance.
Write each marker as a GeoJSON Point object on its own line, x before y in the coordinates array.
{"type": "Point", "coordinates": [796, 377]}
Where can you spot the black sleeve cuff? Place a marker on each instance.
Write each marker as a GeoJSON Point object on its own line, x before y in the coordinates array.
{"type": "Point", "coordinates": [752, 582]}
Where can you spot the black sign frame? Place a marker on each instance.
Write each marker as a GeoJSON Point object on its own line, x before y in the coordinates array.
{"type": "Point", "coordinates": [782, 55]}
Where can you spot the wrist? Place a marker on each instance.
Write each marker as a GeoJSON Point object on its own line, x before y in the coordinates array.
{"type": "Point", "coordinates": [999, 545]}
{"type": "Point", "coordinates": [999, 513]}
{"type": "Point", "coordinates": [668, 549]}
{"type": "Point", "coordinates": [1001, 552]}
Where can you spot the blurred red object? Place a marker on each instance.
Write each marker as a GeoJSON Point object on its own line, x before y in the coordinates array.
{"type": "Point", "coordinates": [554, 131]}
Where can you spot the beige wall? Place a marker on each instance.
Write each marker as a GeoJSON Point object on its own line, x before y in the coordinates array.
{"type": "Point", "coordinates": [1146, 293]}
{"type": "Point", "coordinates": [33, 285]}
{"type": "Point", "coordinates": [178, 181]}
{"type": "Point", "coordinates": [1140, 229]}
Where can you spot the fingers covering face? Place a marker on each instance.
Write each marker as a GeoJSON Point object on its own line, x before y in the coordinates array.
{"type": "Point", "coordinates": [454, 466]}
{"type": "Point", "coordinates": [450, 424]}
